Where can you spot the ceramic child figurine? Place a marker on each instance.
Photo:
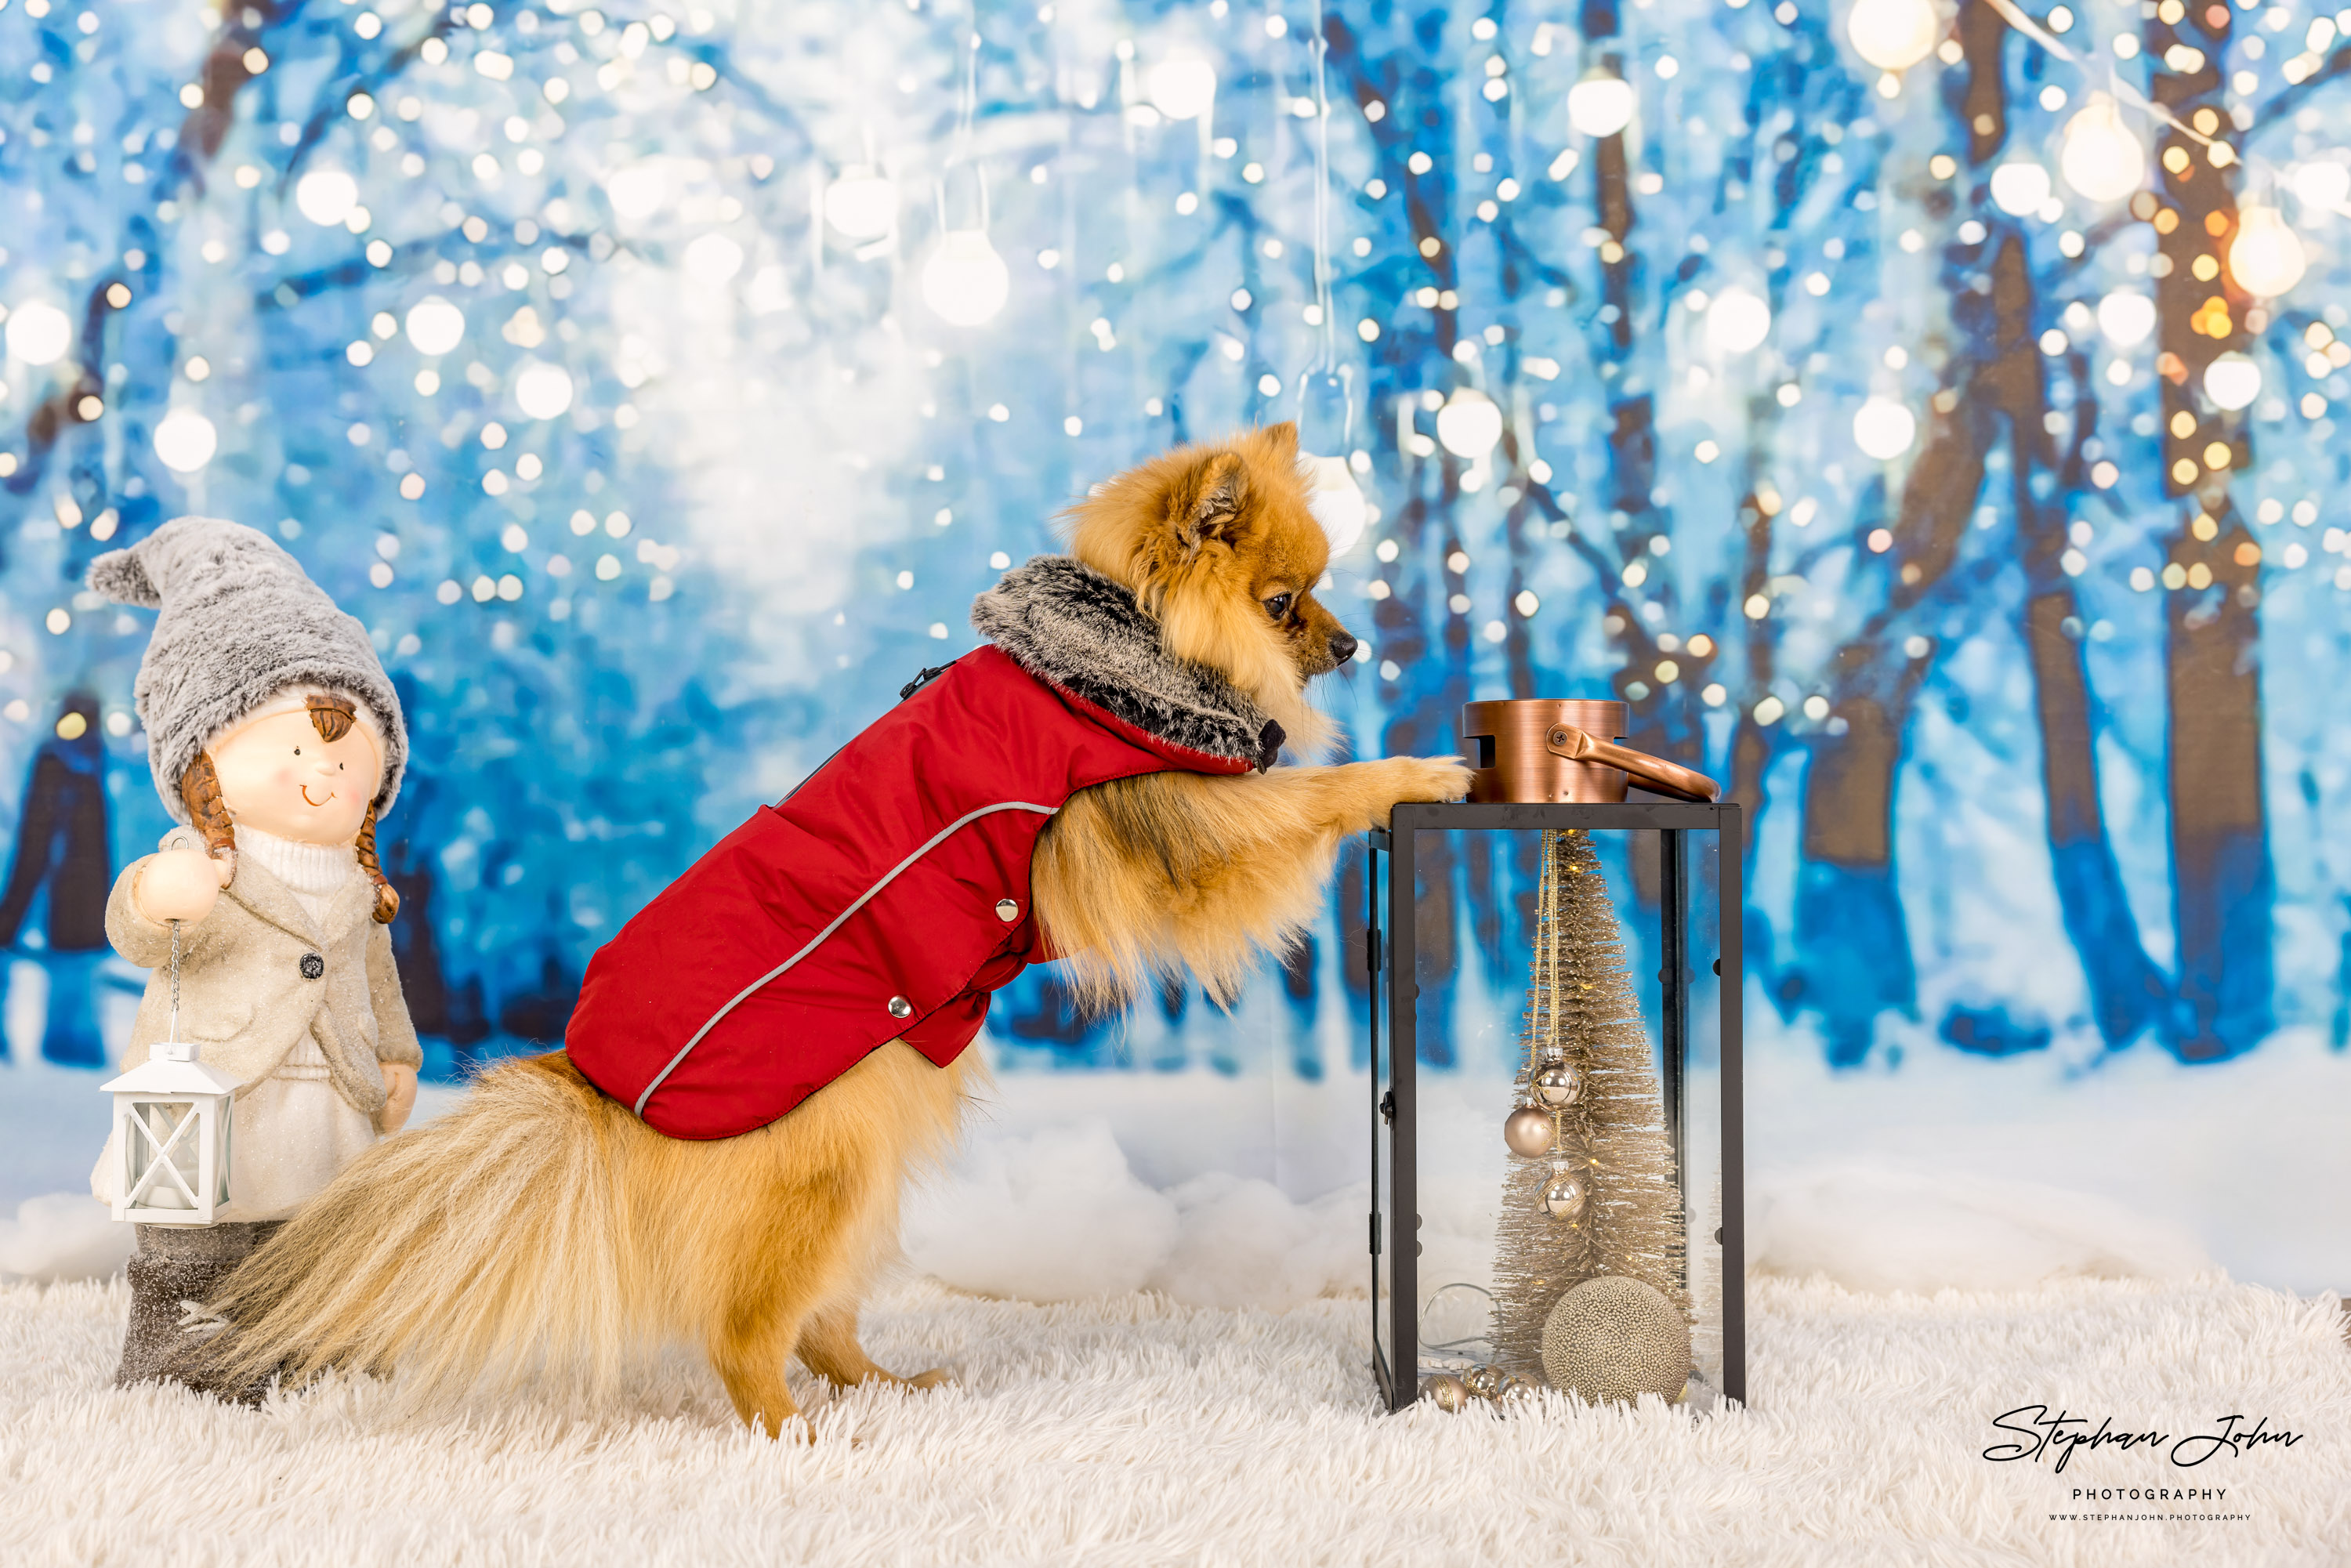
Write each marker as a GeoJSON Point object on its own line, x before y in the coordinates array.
{"type": "Point", "coordinates": [277, 741]}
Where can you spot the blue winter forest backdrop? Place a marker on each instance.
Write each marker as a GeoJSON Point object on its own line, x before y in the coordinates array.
{"type": "Point", "coordinates": [1944, 447]}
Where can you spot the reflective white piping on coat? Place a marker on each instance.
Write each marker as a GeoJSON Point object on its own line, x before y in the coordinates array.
{"type": "Point", "coordinates": [862, 900]}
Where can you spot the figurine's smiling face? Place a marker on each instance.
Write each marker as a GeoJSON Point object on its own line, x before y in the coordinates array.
{"type": "Point", "coordinates": [277, 775]}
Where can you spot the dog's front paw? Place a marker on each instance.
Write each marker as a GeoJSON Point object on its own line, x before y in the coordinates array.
{"type": "Point", "coordinates": [1368, 790]}
{"type": "Point", "coordinates": [1402, 778]}
{"type": "Point", "coordinates": [1429, 777]}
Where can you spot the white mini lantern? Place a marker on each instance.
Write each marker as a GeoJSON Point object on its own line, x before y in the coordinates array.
{"type": "Point", "coordinates": [172, 1130]}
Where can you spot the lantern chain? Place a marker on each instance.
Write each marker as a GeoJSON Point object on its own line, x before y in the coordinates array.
{"type": "Point", "coordinates": [174, 1030]}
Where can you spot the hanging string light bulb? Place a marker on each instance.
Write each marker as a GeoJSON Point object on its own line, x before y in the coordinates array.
{"type": "Point", "coordinates": [1326, 392]}
{"type": "Point", "coordinates": [2266, 257]}
{"type": "Point", "coordinates": [862, 203]}
{"type": "Point", "coordinates": [712, 259]}
{"type": "Point", "coordinates": [1893, 34]}
{"type": "Point", "coordinates": [2127, 319]}
{"type": "Point", "coordinates": [1470, 424]}
{"type": "Point", "coordinates": [2101, 158]}
{"type": "Point", "coordinates": [1884, 428]}
{"type": "Point", "coordinates": [2324, 185]}
{"type": "Point", "coordinates": [1182, 87]}
{"type": "Point", "coordinates": [38, 333]}
{"type": "Point", "coordinates": [435, 326]}
{"type": "Point", "coordinates": [326, 197]}
{"type": "Point", "coordinates": [542, 391]}
{"type": "Point", "coordinates": [1737, 319]}
{"type": "Point", "coordinates": [1335, 499]}
{"type": "Point", "coordinates": [2019, 187]}
{"type": "Point", "coordinates": [2232, 382]}
{"type": "Point", "coordinates": [964, 281]}
{"type": "Point", "coordinates": [185, 440]}
{"type": "Point", "coordinates": [1600, 104]}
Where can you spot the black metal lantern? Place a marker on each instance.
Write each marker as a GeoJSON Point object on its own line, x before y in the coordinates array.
{"type": "Point", "coordinates": [1443, 1056]}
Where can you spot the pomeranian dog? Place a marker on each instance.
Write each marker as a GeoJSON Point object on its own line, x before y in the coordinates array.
{"type": "Point", "coordinates": [542, 1229]}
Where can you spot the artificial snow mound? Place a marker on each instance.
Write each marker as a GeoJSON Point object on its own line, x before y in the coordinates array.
{"type": "Point", "coordinates": [63, 1236]}
{"type": "Point", "coordinates": [1874, 1227]}
{"type": "Point", "coordinates": [1057, 1214]}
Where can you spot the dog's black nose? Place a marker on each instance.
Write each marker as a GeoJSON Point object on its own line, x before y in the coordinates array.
{"type": "Point", "coordinates": [1343, 647]}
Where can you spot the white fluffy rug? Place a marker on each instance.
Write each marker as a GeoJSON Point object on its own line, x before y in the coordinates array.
{"type": "Point", "coordinates": [1134, 1430]}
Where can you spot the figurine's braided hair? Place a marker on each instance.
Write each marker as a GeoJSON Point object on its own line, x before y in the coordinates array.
{"type": "Point", "coordinates": [332, 716]}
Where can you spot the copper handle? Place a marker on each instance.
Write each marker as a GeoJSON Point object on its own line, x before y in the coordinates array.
{"type": "Point", "coordinates": [1655, 773]}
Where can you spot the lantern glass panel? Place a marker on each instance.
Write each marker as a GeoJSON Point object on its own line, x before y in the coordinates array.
{"type": "Point", "coordinates": [1639, 1124]}
{"type": "Point", "coordinates": [152, 1127]}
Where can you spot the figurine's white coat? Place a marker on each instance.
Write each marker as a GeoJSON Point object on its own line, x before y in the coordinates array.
{"type": "Point", "coordinates": [245, 999]}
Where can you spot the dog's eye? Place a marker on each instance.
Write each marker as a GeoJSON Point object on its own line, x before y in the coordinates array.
{"type": "Point", "coordinates": [1278, 606]}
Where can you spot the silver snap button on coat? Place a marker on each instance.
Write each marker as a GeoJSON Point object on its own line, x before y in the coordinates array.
{"type": "Point", "coordinates": [1007, 911]}
{"type": "Point", "coordinates": [901, 1008]}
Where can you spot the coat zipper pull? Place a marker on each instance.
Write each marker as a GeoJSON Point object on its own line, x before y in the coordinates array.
{"type": "Point", "coordinates": [919, 682]}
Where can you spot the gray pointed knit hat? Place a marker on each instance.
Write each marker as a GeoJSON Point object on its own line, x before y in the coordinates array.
{"type": "Point", "coordinates": [239, 624]}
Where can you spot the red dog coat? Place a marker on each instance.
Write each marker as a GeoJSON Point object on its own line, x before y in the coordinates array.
{"type": "Point", "coordinates": [888, 897]}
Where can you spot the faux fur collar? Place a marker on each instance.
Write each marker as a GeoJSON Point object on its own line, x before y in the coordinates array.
{"type": "Point", "coordinates": [1071, 627]}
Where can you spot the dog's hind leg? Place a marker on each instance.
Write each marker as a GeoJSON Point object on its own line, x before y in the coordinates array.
{"type": "Point", "coordinates": [778, 1261]}
{"type": "Point", "coordinates": [829, 1348]}
{"type": "Point", "coordinates": [779, 1269]}
{"type": "Point", "coordinates": [749, 1352]}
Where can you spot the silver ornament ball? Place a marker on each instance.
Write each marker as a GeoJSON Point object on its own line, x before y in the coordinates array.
{"type": "Point", "coordinates": [1564, 1195]}
{"type": "Point", "coordinates": [1484, 1382]}
{"type": "Point", "coordinates": [1526, 1131]}
{"type": "Point", "coordinates": [1559, 1086]}
{"type": "Point", "coordinates": [1445, 1392]}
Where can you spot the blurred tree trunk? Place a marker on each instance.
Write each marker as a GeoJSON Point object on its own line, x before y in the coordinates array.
{"type": "Point", "coordinates": [1655, 705]}
{"type": "Point", "coordinates": [1848, 905]}
{"type": "Point", "coordinates": [2128, 992]}
{"type": "Point", "coordinates": [2221, 884]}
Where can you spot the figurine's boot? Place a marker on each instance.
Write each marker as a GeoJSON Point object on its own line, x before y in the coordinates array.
{"type": "Point", "coordinates": [176, 1269]}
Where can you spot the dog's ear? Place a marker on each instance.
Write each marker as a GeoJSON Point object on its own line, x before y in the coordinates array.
{"type": "Point", "coordinates": [1281, 439]}
{"type": "Point", "coordinates": [1210, 501]}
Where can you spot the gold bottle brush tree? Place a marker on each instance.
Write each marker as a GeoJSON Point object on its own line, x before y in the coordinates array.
{"type": "Point", "coordinates": [1592, 1190]}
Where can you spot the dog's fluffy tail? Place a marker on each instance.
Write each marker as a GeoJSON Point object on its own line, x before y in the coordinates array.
{"type": "Point", "coordinates": [485, 1246]}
